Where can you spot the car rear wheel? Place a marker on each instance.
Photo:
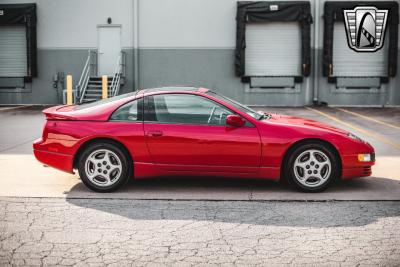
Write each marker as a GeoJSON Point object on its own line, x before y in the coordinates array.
{"type": "Point", "coordinates": [312, 167]}
{"type": "Point", "coordinates": [104, 167]}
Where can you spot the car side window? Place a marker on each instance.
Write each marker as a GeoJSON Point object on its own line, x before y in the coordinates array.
{"type": "Point", "coordinates": [186, 109]}
{"type": "Point", "coordinates": [131, 111]}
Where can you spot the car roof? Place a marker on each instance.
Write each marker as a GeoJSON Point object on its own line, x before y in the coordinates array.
{"type": "Point", "coordinates": [176, 88]}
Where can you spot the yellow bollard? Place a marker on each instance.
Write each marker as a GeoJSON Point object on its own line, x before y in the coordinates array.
{"type": "Point", "coordinates": [104, 86]}
{"type": "Point", "coordinates": [69, 89]}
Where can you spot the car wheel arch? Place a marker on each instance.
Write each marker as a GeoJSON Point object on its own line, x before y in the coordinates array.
{"type": "Point", "coordinates": [92, 141]}
{"type": "Point", "coordinates": [301, 142]}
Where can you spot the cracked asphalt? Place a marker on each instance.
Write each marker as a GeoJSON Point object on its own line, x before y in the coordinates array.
{"type": "Point", "coordinates": [98, 232]}
{"type": "Point", "coordinates": [48, 218]}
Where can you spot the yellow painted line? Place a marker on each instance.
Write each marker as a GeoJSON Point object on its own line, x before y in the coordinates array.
{"type": "Point", "coordinates": [368, 118]}
{"type": "Point", "coordinates": [361, 130]}
{"type": "Point", "coordinates": [11, 108]}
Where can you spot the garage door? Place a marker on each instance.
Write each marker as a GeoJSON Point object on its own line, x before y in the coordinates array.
{"type": "Point", "coordinates": [13, 60]}
{"type": "Point", "coordinates": [348, 63]}
{"type": "Point", "coordinates": [273, 49]}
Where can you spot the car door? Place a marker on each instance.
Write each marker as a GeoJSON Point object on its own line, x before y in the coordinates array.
{"type": "Point", "coordinates": [188, 132]}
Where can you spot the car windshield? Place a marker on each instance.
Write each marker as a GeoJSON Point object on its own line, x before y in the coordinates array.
{"type": "Point", "coordinates": [103, 101]}
{"type": "Point", "coordinates": [237, 105]}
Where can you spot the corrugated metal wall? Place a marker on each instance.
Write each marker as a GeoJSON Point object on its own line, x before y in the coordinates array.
{"type": "Point", "coordinates": [13, 51]}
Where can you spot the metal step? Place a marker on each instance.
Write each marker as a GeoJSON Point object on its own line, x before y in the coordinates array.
{"type": "Point", "coordinates": [92, 95]}
{"type": "Point", "coordinates": [98, 77]}
{"type": "Point", "coordinates": [98, 82]}
{"type": "Point", "coordinates": [96, 90]}
{"type": "Point", "coordinates": [96, 85]}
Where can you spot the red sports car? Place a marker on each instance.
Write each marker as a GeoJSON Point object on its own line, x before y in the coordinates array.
{"type": "Point", "coordinates": [195, 131]}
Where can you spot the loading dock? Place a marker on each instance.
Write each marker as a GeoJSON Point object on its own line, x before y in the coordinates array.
{"type": "Point", "coordinates": [358, 78]}
{"type": "Point", "coordinates": [273, 47]}
{"type": "Point", "coordinates": [18, 46]}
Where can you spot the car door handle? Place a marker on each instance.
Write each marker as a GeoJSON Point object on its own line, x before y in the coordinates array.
{"type": "Point", "coordinates": [154, 133]}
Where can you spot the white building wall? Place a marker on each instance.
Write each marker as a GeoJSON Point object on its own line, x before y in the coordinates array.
{"type": "Point", "coordinates": [187, 23]}
{"type": "Point", "coordinates": [73, 23]}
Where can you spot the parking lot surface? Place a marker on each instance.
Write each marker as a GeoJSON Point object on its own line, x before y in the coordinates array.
{"type": "Point", "coordinates": [100, 232]}
{"type": "Point", "coordinates": [50, 218]}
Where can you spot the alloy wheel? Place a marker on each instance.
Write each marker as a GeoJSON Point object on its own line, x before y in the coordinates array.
{"type": "Point", "coordinates": [312, 168]}
{"type": "Point", "coordinates": [103, 167]}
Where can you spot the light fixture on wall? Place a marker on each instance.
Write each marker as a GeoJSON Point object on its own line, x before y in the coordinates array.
{"type": "Point", "coordinates": [109, 21]}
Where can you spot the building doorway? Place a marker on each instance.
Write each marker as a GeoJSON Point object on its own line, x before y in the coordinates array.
{"type": "Point", "coordinates": [109, 48]}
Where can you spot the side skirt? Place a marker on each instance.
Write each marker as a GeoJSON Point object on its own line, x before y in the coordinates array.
{"type": "Point", "coordinates": [146, 170]}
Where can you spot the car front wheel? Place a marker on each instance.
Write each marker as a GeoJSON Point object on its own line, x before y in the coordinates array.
{"type": "Point", "coordinates": [104, 167]}
{"type": "Point", "coordinates": [311, 167]}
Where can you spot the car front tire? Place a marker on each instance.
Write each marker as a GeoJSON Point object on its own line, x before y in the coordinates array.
{"type": "Point", "coordinates": [104, 167]}
{"type": "Point", "coordinates": [311, 167]}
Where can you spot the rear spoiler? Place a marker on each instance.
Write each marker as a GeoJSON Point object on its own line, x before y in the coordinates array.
{"type": "Point", "coordinates": [53, 113]}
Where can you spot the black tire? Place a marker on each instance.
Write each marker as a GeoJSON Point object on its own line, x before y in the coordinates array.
{"type": "Point", "coordinates": [124, 159]}
{"type": "Point", "coordinates": [289, 167]}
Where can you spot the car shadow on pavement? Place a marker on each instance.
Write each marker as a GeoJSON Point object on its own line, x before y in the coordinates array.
{"type": "Point", "coordinates": [238, 202]}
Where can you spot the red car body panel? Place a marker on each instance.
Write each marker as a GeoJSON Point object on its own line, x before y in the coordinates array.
{"type": "Point", "coordinates": [256, 150]}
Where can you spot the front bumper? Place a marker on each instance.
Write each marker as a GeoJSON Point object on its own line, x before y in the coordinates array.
{"type": "Point", "coordinates": [352, 167]}
{"type": "Point", "coordinates": [356, 172]}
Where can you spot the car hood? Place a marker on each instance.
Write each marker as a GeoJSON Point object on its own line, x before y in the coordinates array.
{"type": "Point", "coordinates": [302, 122]}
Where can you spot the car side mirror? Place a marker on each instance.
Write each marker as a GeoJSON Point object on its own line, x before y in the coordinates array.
{"type": "Point", "coordinates": [235, 121]}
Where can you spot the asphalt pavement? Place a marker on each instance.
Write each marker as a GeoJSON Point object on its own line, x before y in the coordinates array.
{"type": "Point", "coordinates": [98, 232]}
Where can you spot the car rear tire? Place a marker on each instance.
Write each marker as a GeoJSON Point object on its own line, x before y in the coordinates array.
{"type": "Point", "coordinates": [311, 167]}
{"type": "Point", "coordinates": [104, 167]}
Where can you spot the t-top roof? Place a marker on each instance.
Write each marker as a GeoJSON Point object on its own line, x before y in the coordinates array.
{"type": "Point", "coordinates": [171, 88]}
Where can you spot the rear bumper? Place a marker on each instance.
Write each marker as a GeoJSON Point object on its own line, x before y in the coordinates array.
{"type": "Point", "coordinates": [63, 162]}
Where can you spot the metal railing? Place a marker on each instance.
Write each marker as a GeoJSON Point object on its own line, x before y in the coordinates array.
{"type": "Point", "coordinates": [90, 69]}
{"type": "Point", "coordinates": [119, 72]}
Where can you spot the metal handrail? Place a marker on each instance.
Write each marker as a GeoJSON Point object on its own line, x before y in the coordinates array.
{"type": "Point", "coordinates": [119, 70]}
{"type": "Point", "coordinates": [112, 85]}
{"type": "Point", "coordinates": [88, 70]}
{"type": "Point", "coordinates": [116, 90]}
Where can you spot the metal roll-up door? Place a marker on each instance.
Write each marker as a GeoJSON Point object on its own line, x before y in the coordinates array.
{"type": "Point", "coordinates": [273, 49]}
{"type": "Point", "coordinates": [349, 63]}
{"type": "Point", "coordinates": [13, 58]}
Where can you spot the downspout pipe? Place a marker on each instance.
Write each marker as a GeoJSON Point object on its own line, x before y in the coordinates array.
{"type": "Point", "coordinates": [136, 44]}
{"type": "Point", "coordinates": [316, 52]}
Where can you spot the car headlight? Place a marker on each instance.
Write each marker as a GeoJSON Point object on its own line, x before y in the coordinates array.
{"type": "Point", "coordinates": [365, 157]}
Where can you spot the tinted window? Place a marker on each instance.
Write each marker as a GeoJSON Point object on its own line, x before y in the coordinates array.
{"type": "Point", "coordinates": [129, 112]}
{"type": "Point", "coordinates": [185, 108]}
